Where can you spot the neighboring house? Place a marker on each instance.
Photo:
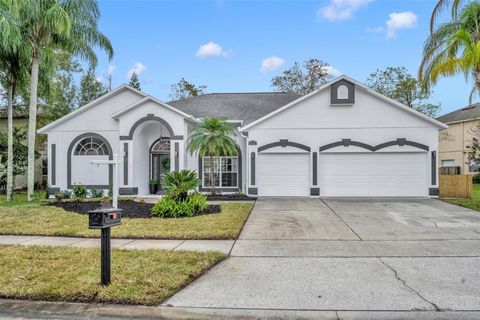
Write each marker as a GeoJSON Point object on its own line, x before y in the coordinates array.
{"type": "Point", "coordinates": [20, 120]}
{"type": "Point", "coordinates": [463, 125]}
{"type": "Point", "coordinates": [340, 140]}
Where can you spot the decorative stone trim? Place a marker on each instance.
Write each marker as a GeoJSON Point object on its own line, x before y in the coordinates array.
{"type": "Point", "coordinates": [314, 191]}
{"type": "Point", "coordinates": [253, 191]}
{"type": "Point", "coordinates": [433, 192]}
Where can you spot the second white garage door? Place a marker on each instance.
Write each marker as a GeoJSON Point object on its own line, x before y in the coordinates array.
{"type": "Point", "coordinates": [373, 174]}
{"type": "Point", "coordinates": [282, 174]}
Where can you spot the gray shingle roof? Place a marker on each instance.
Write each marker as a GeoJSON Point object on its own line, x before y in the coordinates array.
{"type": "Point", "coordinates": [234, 106]}
{"type": "Point", "coordinates": [466, 113]}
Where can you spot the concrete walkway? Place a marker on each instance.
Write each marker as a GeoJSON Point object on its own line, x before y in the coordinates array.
{"type": "Point", "coordinates": [223, 246]}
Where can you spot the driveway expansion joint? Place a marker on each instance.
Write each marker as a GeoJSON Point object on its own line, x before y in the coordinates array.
{"type": "Point", "coordinates": [351, 229]}
{"type": "Point", "coordinates": [395, 273]}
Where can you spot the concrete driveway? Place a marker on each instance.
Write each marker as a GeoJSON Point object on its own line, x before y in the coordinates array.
{"type": "Point", "coordinates": [347, 258]}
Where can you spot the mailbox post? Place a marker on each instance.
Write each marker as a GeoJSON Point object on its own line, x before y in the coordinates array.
{"type": "Point", "coordinates": [104, 219]}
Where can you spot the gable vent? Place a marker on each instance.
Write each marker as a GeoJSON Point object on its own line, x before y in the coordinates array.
{"type": "Point", "coordinates": [342, 93]}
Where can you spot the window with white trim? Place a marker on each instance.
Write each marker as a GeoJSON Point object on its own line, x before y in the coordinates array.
{"type": "Point", "coordinates": [225, 171]}
{"type": "Point", "coordinates": [91, 147]}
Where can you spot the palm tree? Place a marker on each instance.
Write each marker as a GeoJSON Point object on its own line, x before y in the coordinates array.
{"type": "Point", "coordinates": [47, 25]}
{"type": "Point", "coordinates": [13, 62]}
{"type": "Point", "coordinates": [442, 5]}
{"type": "Point", "coordinates": [454, 48]}
{"type": "Point", "coordinates": [212, 137]}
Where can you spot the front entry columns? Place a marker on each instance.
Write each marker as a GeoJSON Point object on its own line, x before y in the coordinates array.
{"type": "Point", "coordinates": [177, 154]}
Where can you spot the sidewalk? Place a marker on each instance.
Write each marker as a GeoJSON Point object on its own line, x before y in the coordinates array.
{"type": "Point", "coordinates": [223, 246]}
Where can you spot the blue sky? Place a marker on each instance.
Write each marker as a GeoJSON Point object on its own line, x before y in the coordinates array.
{"type": "Point", "coordinates": [222, 44]}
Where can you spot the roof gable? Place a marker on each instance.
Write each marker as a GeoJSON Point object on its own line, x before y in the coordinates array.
{"type": "Point", "coordinates": [358, 85]}
{"type": "Point", "coordinates": [89, 106]}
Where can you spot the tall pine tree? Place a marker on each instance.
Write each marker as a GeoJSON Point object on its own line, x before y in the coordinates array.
{"type": "Point", "coordinates": [134, 81]}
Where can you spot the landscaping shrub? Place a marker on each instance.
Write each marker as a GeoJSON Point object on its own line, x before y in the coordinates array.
{"type": "Point", "coordinates": [59, 196]}
{"type": "Point", "coordinates": [66, 194]}
{"type": "Point", "coordinates": [96, 193]}
{"type": "Point", "coordinates": [177, 184]}
{"type": "Point", "coordinates": [476, 178]}
{"type": "Point", "coordinates": [169, 207]}
{"type": "Point", "coordinates": [79, 191]}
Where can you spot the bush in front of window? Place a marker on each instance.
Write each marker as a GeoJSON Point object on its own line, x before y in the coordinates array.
{"type": "Point", "coordinates": [79, 191]}
{"type": "Point", "coordinates": [169, 207]}
{"type": "Point", "coordinates": [66, 194]}
{"type": "Point", "coordinates": [476, 178]}
{"type": "Point", "coordinates": [96, 193]}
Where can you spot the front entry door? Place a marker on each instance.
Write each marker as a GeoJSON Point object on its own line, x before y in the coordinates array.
{"type": "Point", "coordinates": [160, 165]}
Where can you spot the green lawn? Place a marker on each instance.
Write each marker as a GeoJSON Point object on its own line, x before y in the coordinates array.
{"type": "Point", "coordinates": [71, 274]}
{"type": "Point", "coordinates": [34, 218]}
{"type": "Point", "coordinates": [473, 203]}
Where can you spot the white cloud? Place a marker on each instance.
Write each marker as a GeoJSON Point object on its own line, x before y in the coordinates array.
{"type": "Point", "coordinates": [99, 79]}
{"type": "Point", "coordinates": [334, 72]}
{"type": "Point", "coordinates": [210, 49]}
{"type": "Point", "coordinates": [375, 30]}
{"type": "Point", "coordinates": [400, 20]}
{"type": "Point", "coordinates": [111, 69]}
{"type": "Point", "coordinates": [137, 67]}
{"type": "Point", "coordinates": [339, 10]}
{"type": "Point", "coordinates": [271, 63]}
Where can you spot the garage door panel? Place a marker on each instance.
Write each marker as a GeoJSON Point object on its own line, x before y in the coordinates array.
{"type": "Point", "coordinates": [373, 174]}
{"type": "Point", "coordinates": [283, 174]}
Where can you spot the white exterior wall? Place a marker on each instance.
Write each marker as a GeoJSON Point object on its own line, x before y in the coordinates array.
{"type": "Point", "coordinates": [314, 122]}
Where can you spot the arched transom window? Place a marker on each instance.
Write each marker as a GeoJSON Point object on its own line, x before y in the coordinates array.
{"type": "Point", "coordinates": [91, 146]}
{"type": "Point", "coordinates": [161, 146]}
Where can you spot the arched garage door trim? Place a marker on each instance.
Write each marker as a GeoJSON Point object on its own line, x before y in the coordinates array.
{"type": "Point", "coordinates": [399, 142]}
{"type": "Point", "coordinates": [284, 143]}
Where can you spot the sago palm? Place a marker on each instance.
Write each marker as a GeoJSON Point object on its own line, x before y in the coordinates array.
{"type": "Point", "coordinates": [454, 48]}
{"type": "Point", "coordinates": [177, 184]}
{"type": "Point", "coordinates": [212, 137]}
{"type": "Point", "coordinates": [47, 25]}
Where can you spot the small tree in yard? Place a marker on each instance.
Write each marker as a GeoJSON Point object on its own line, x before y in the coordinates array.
{"type": "Point", "coordinates": [212, 137]}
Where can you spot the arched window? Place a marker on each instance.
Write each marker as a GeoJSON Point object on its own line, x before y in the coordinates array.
{"type": "Point", "coordinates": [342, 92]}
{"type": "Point", "coordinates": [91, 146]}
{"type": "Point", "coordinates": [161, 146]}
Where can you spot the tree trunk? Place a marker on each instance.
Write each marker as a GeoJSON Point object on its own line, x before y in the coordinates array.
{"type": "Point", "coordinates": [212, 176]}
{"type": "Point", "coordinates": [10, 141]}
{"type": "Point", "coordinates": [32, 126]}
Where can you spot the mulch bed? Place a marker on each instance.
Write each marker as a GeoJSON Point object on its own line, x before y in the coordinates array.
{"type": "Point", "coordinates": [131, 209]}
{"type": "Point", "coordinates": [230, 197]}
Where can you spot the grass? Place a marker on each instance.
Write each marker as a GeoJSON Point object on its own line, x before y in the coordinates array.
{"type": "Point", "coordinates": [34, 218]}
{"type": "Point", "coordinates": [473, 203]}
{"type": "Point", "coordinates": [70, 274]}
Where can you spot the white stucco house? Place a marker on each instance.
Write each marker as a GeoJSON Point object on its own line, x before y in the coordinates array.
{"type": "Point", "coordinates": [341, 140]}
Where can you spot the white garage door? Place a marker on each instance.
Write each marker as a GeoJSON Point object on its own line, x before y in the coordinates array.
{"type": "Point", "coordinates": [283, 174]}
{"type": "Point", "coordinates": [373, 174]}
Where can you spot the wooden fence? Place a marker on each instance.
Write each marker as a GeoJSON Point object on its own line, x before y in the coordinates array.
{"type": "Point", "coordinates": [455, 186]}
